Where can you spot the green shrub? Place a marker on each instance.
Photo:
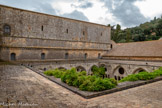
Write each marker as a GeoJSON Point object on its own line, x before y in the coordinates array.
{"type": "Point", "coordinates": [145, 76]}
{"type": "Point", "coordinates": [98, 71]}
{"type": "Point", "coordinates": [71, 79]}
{"type": "Point", "coordinates": [129, 78]}
{"type": "Point", "coordinates": [112, 80]}
{"type": "Point", "coordinates": [83, 73]}
{"type": "Point", "coordinates": [69, 76]}
{"type": "Point", "coordinates": [142, 76]}
{"type": "Point", "coordinates": [79, 81]}
{"type": "Point", "coordinates": [85, 85]}
{"type": "Point", "coordinates": [158, 72]}
{"type": "Point", "coordinates": [49, 72]}
{"type": "Point", "coordinates": [109, 83]}
{"type": "Point", "coordinates": [160, 68]}
{"type": "Point", "coordinates": [83, 82]}
{"type": "Point", "coordinates": [98, 84]}
{"type": "Point", "coordinates": [58, 73]}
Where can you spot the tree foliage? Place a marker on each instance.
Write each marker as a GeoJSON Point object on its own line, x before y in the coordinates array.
{"type": "Point", "coordinates": [144, 32]}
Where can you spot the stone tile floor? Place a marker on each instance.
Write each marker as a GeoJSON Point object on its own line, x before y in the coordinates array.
{"type": "Point", "coordinates": [23, 88]}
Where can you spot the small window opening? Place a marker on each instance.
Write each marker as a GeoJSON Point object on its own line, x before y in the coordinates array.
{"type": "Point", "coordinates": [13, 56]}
{"type": "Point", "coordinates": [7, 29]}
{"type": "Point", "coordinates": [66, 56]}
{"type": "Point", "coordinates": [42, 28]}
{"type": "Point", "coordinates": [43, 56]}
{"type": "Point", "coordinates": [67, 31]}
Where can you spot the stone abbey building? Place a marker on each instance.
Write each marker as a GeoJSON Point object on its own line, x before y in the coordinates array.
{"type": "Point", "coordinates": [44, 41]}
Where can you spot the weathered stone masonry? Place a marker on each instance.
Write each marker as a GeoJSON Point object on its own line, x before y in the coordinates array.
{"type": "Point", "coordinates": [43, 42]}
{"type": "Point", "coordinates": [35, 33]}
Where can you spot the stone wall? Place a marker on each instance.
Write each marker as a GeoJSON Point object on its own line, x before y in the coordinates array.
{"type": "Point", "coordinates": [33, 54]}
{"type": "Point", "coordinates": [35, 33]}
{"type": "Point", "coordinates": [36, 25]}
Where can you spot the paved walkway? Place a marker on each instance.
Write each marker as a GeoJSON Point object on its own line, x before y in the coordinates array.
{"type": "Point", "coordinates": [23, 88]}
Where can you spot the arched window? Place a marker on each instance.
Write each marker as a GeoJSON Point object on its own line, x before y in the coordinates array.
{"type": "Point", "coordinates": [13, 56]}
{"type": "Point", "coordinates": [42, 56]}
{"type": "Point", "coordinates": [7, 29]}
{"type": "Point", "coordinates": [80, 69]}
{"type": "Point", "coordinates": [66, 55]}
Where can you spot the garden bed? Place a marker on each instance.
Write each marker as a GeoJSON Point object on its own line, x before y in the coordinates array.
{"type": "Point", "coordinates": [86, 94]}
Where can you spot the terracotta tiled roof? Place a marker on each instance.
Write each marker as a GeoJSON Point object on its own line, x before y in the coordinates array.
{"type": "Point", "coordinates": [137, 49]}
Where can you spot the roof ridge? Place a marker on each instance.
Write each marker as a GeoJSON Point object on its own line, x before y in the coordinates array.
{"type": "Point", "coordinates": [139, 42]}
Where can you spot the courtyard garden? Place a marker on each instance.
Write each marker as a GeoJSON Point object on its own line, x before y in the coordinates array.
{"type": "Point", "coordinates": [97, 82]}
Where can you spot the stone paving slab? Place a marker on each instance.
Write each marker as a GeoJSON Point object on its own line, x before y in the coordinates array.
{"type": "Point", "coordinates": [21, 85]}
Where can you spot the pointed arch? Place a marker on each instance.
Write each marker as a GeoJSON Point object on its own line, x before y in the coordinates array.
{"type": "Point", "coordinates": [138, 70]}
{"type": "Point", "coordinates": [80, 68]}
{"type": "Point", "coordinates": [119, 68]}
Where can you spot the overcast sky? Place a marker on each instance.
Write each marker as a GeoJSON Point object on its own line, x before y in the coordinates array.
{"type": "Point", "coordinates": [127, 13]}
